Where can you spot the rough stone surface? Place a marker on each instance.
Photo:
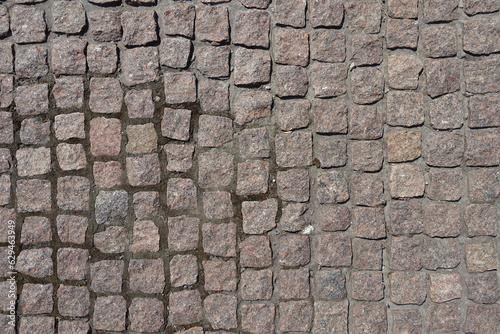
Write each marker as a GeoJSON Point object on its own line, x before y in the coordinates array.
{"type": "Point", "coordinates": [258, 318]}
{"type": "Point", "coordinates": [473, 7]}
{"type": "Point", "coordinates": [32, 99]}
{"type": "Point", "coordinates": [251, 106]}
{"type": "Point", "coordinates": [218, 239]}
{"type": "Point", "coordinates": [68, 17]}
{"type": "Point", "coordinates": [106, 276]}
{"type": "Point", "coordinates": [333, 250]}
{"type": "Point", "coordinates": [110, 313]}
{"type": "Point", "coordinates": [257, 166]}
{"type": "Point", "coordinates": [406, 180]}
{"type": "Point", "coordinates": [139, 28]}
{"type": "Point", "coordinates": [33, 195]}
{"type": "Point", "coordinates": [406, 217]}
{"type": "Point", "coordinates": [185, 307]}
{"type": "Point", "coordinates": [328, 45]}
{"type": "Point", "coordinates": [68, 56]}
{"type": "Point", "coordinates": [332, 187]}
{"type": "Point", "coordinates": [255, 252]}
{"type": "Point", "coordinates": [404, 70]}
{"type": "Point", "coordinates": [112, 240]}
{"type": "Point", "coordinates": [259, 217]}
{"type": "Point", "coordinates": [252, 28]}
{"type": "Point", "coordinates": [184, 234]}
{"type": "Point", "coordinates": [143, 170]}
{"type": "Point", "coordinates": [401, 33]}
{"type": "Point", "coordinates": [366, 49]}
{"type": "Point", "coordinates": [68, 92]}
{"type": "Point", "coordinates": [481, 257]}
{"type": "Point", "coordinates": [105, 25]}
{"type": "Point", "coordinates": [146, 314]}
{"type": "Point", "coordinates": [256, 284]}
{"type": "Point", "coordinates": [440, 41]}
{"type": "Point", "coordinates": [291, 46]}
{"type": "Point", "coordinates": [402, 8]}
{"type": "Point", "coordinates": [290, 81]}
{"type": "Point", "coordinates": [370, 318]}
{"type": "Point", "coordinates": [111, 206]}
{"type": "Point", "coordinates": [31, 61]}
{"type": "Point", "coordinates": [183, 270]}
{"type": "Point", "coordinates": [28, 24]}
{"type": "Point", "coordinates": [253, 67]}
{"type": "Point", "coordinates": [367, 85]}
{"type": "Point", "coordinates": [140, 65]}
{"type": "Point", "coordinates": [175, 52]}
{"type": "Point", "coordinates": [180, 87]}
{"type": "Point", "coordinates": [175, 123]}
{"type": "Point", "coordinates": [440, 10]}
{"type": "Point", "coordinates": [106, 95]}
{"type": "Point", "coordinates": [146, 275]}
{"type": "Point", "coordinates": [181, 192]}
{"type": "Point", "coordinates": [330, 284]}
{"type": "Point", "coordinates": [295, 316]}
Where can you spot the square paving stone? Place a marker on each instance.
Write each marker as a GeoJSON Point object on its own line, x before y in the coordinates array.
{"type": "Point", "coordinates": [73, 301]}
{"type": "Point", "coordinates": [146, 314]}
{"type": "Point", "coordinates": [217, 205]}
{"type": "Point", "coordinates": [140, 65]}
{"type": "Point", "coordinates": [333, 250]}
{"type": "Point", "coordinates": [259, 216]}
{"type": "Point", "coordinates": [295, 316]}
{"type": "Point", "coordinates": [68, 17]}
{"type": "Point", "coordinates": [212, 24]}
{"type": "Point", "coordinates": [28, 24]}
{"type": "Point", "coordinates": [73, 193]}
{"type": "Point", "coordinates": [102, 58]}
{"type": "Point", "coordinates": [252, 177]}
{"type": "Point", "coordinates": [146, 275]}
{"type": "Point", "coordinates": [32, 99]}
{"type": "Point", "coordinates": [68, 92]}
{"type": "Point", "coordinates": [36, 299]}
{"type": "Point", "coordinates": [256, 284]}
{"type": "Point", "coordinates": [36, 230]}
{"type": "Point", "coordinates": [215, 169]}
{"type": "Point", "coordinates": [110, 313]}
{"type": "Point", "coordinates": [255, 252]}
{"type": "Point", "coordinates": [175, 52]}
{"type": "Point", "coordinates": [183, 233]}
{"type": "Point", "coordinates": [68, 56]}
{"type": "Point", "coordinates": [72, 263]}
{"type": "Point", "coordinates": [181, 193]}
{"type": "Point", "coordinates": [401, 33]}
{"type": "Point", "coordinates": [251, 28]}
{"type": "Point", "coordinates": [180, 18]}
{"type": "Point", "coordinates": [219, 239]}
{"type": "Point", "coordinates": [294, 283]}
{"type": "Point", "coordinates": [293, 185]}
{"type": "Point", "coordinates": [139, 27]}
{"type": "Point", "coordinates": [31, 61]}
{"type": "Point", "coordinates": [106, 276]}
{"type": "Point", "coordinates": [105, 25]}
{"type": "Point", "coordinates": [258, 318]}
{"type": "Point", "coordinates": [220, 275]}
{"type": "Point", "coordinates": [185, 307]}
{"type": "Point", "coordinates": [183, 270]}
{"type": "Point", "coordinates": [33, 195]}
{"type": "Point", "coordinates": [180, 87]}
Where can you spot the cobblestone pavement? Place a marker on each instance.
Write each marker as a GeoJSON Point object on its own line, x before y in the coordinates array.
{"type": "Point", "coordinates": [319, 166]}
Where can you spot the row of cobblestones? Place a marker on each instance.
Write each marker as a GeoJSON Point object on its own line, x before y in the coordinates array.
{"type": "Point", "coordinates": [248, 166]}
